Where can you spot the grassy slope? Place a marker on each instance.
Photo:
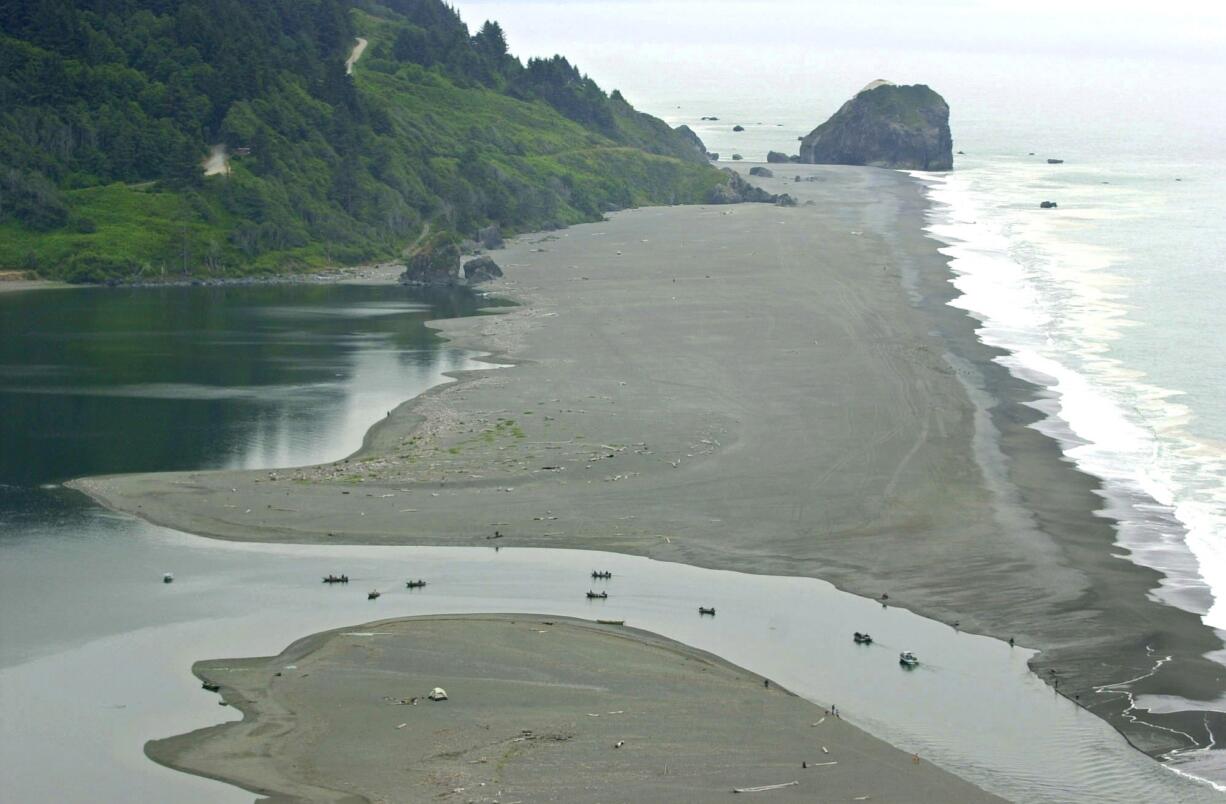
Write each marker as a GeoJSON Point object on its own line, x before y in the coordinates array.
{"type": "Point", "coordinates": [522, 146]}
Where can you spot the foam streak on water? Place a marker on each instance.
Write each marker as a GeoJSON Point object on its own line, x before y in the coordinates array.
{"type": "Point", "coordinates": [1058, 308]}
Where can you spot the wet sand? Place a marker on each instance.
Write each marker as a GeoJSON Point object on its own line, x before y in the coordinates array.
{"type": "Point", "coordinates": [535, 711]}
{"type": "Point", "coordinates": [752, 388]}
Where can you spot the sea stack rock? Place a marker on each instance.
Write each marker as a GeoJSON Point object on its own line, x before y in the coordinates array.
{"type": "Point", "coordinates": [885, 125]}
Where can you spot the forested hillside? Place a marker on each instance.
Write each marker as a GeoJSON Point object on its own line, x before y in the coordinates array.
{"type": "Point", "coordinates": [108, 109]}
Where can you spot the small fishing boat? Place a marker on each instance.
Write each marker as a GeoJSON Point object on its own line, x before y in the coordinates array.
{"type": "Point", "coordinates": [336, 578]}
{"type": "Point", "coordinates": [418, 584]}
{"type": "Point", "coordinates": [373, 594]}
{"type": "Point", "coordinates": [862, 639]}
{"type": "Point", "coordinates": [210, 686]}
{"type": "Point", "coordinates": [602, 575]}
{"type": "Point", "coordinates": [597, 595]}
{"type": "Point", "coordinates": [908, 659]}
{"type": "Point", "coordinates": [706, 610]}
{"type": "Point", "coordinates": [168, 577]}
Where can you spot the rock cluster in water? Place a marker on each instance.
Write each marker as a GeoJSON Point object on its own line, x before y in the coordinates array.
{"type": "Point", "coordinates": [885, 125]}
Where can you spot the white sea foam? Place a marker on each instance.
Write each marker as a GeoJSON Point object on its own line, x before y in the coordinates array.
{"type": "Point", "coordinates": [1056, 308]}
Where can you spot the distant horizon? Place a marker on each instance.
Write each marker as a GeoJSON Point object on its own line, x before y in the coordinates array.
{"type": "Point", "coordinates": [680, 59]}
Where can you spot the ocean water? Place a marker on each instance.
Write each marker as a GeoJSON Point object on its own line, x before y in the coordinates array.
{"type": "Point", "coordinates": [1112, 303]}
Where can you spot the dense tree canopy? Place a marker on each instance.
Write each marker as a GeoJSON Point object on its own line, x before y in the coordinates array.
{"type": "Point", "coordinates": [109, 107]}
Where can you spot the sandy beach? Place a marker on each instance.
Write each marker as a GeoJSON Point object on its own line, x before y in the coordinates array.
{"type": "Point", "coordinates": [755, 388]}
{"type": "Point", "coordinates": [537, 710]}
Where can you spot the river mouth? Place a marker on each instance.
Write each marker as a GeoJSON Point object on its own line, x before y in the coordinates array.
{"type": "Point", "coordinates": [96, 694]}
{"type": "Point", "coordinates": [97, 652]}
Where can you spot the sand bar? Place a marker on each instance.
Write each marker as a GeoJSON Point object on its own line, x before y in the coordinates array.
{"type": "Point", "coordinates": [751, 388]}
{"type": "Point", "coordinates": [537, 710]}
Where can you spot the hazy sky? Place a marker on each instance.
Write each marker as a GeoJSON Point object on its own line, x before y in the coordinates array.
{"type": "Point", "coordinates": [670, 56]}
{"type": "Point", "coordinates": [1179, 28]}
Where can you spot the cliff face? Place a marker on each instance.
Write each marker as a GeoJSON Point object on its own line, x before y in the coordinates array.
{"type": "Point", "coordinates": [888, 126]}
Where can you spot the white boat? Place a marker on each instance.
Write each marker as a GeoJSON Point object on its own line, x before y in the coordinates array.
{"type": "Point", "coordinates": [908, 659]}
{"type": "Point", "coordinates": [168, 577]}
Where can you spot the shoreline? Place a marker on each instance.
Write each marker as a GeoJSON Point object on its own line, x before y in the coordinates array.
{"type": "Point", "coordinates": [1051, 581]}
{"type": "Point", "coordinates": [322, 720]}
{"type": "Point", "coordinates": [366, 274]}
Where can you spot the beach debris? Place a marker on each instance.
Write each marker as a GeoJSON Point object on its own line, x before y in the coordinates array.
{"type": "Point", "coordinates": [825, 750]}
{"type": "Point", "coordinates": [818, 764]}
{"type": "Point", "coordinates": [764, 788]}
{"type": "Point", "coordinates": [402, 725]}
{"type": "Point", "coordinates": [818, 723]}
{"type": "Point", "coordinates": [168, 577]}
{"type": "Point", "coordinates": [619, 743]}
{"type": "Point", "coordinates": [437, 694]}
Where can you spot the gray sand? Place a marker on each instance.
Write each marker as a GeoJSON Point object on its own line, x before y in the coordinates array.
{"type": "Point", "coordinates": [535, 709]}
{"type": "Point", "coordinates": [753, 388]}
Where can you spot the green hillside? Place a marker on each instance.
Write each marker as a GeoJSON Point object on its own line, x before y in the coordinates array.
{"type": "Point", "coordinates": [108, 109]}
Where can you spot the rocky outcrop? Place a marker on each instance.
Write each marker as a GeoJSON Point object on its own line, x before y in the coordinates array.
{"type": "Point", "coordinates": [765, 173]}
{"type": "Point", "coordinates": [688, 135]}
{"type": "Point", "coordinates": [885, 125]}
{"type": "Point", "coordinates": [774, 157]}
{"type": "Point", "coordinates": [738, 128]}
{"type": "Point", "coordinates": [490, 237]}
{"type": "Point", "coordinates": [1048, 205]}
{"type": "Point", "coordinates": [736, 190]}
{"type": "Point", "coordinates": [435, 260]}
{"type": "Point", "coordinates": [482, 269]}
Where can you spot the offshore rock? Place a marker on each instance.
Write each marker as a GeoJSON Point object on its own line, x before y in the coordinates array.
{"type": "Point", "coordinates": [765, 173]}
{"type": "Point", "coordinates": [885, 125]}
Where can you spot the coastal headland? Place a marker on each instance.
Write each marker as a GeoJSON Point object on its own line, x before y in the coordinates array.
{"type": "Point", "coordinates": [537, 710]}
{"type": "Point", "coordinates": [755, 388]}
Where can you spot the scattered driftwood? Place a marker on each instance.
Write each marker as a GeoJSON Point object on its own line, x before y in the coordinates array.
{"type": "Point", "coordinates": [764, 788]}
